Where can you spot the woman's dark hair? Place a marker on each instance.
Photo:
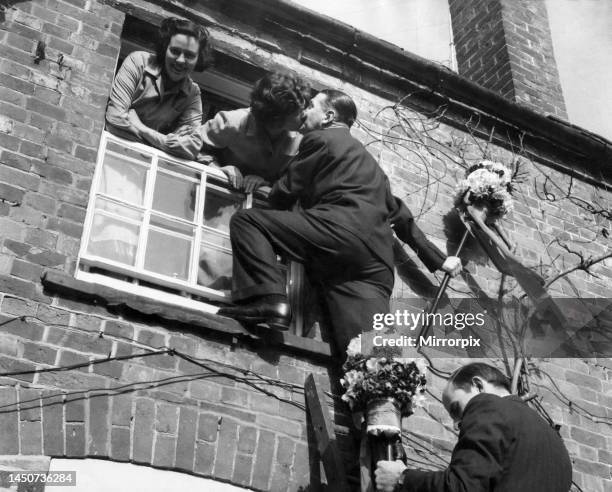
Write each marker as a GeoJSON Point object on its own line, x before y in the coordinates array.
{"type": "Point", "coordinates": [462, 377]}
{"type": "Point", "coordinates": [342, 104]}
{"type": "Point", "coordinates": [173, 25]}
{"type": "Point", "coordinates": [277, 95]}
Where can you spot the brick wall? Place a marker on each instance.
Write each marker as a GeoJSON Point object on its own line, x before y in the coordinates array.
{"type": "Point", "coordinates": [188, 419]}
{"type": "Point", "coordinates": [506, 46]}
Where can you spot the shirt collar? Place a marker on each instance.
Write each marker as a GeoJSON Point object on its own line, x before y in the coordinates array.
{"type": "Point", "coordinates": [155, 70]}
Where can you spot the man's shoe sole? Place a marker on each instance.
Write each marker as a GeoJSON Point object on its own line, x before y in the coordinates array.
{"type": "Point", "coordinates": [278, 323]}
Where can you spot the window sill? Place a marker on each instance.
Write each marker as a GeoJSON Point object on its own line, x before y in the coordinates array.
{"type": "Point", "coordinates": [62, 283]}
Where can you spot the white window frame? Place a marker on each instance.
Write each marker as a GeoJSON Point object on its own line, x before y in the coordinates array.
{"type": "Point", "coordinates": [184, 290]}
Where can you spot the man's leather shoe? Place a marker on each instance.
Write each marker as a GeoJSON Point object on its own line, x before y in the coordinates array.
{"type": "Point", "coordinates": [274, 314]}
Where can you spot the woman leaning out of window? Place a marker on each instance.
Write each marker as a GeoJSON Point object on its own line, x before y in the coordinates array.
{"type": "Point", "coordinates": [153, 98]}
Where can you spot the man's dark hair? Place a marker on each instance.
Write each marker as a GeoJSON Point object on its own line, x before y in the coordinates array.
{"type": "Point", "coordinates": [343, 105]}
{"type": "Point", "coordinates": [172, 26]}
{"type": "Point", "coordinates": [462, 377]}
{"type": "Point", "coordinates": [278, 95]}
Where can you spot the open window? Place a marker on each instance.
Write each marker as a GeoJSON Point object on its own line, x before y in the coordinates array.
{"type": "Point", "coordinates": [158, 226]}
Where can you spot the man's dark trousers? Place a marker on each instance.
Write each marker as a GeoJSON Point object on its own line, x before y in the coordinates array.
{"type": "Point", "coordinates": [341, 232]}
{"type": "Point", "coordinates": [354, 282]}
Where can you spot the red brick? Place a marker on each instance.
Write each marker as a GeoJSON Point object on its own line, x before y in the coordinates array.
{"type": "Point", "coordinates": [60, 32]}
{"type": "Point", "coordinates": [9, 444]}
{"type": "Point", "coordinates": [588, 438]}
{"type": "Point", "coordinates": [281, 425]}
{"type": "Point", "coordinates": [263, 462]}
{"type": "Point", "coordinates": [13, 112]}
{"type": "Point", "coordinates": [75, 440]}
{"type": "Point", "coordinates": [39, 353]}
{"type": "Point", "coordinates": [72, 212]}
{"type": "Point", "coordinates": [50, 110]}
{"type": "Point", "coordinates": [99, 421]}
{"type": "Point", "coordinates": [53, 424]}
{"type": "Point", "coordinates": [75, 408]}
{"type": "Point", "coordinates": [280, 477]}
{"type": "Point", "coordinates": [120, 444]}
{"type": "Point", "coordinates": [285, 450]}
{"type": "Point", "coordinates": [122, 410]}
{"type": "Point", "coordinates": [32, 149]}
{"type": "Point", "coordinates": [11, 193]}
{"type": "Point", "coordinates": [42, 203]}
{"type": "Point", "coordinates": [111, 369]}
{"type": "Point", "coordinates": [208, 427]}
{"type": "Point", "coordinates": [18, 307]}
{"type": "Point", "coordinates": [46, 258]}
{"type": "Point", "coordinates": [8, 364]}
{"type": "Point", "coordinates": [26, 270]}
{"type": "Point", "coordinates": [247, 439]}
{"type": "Point", "coordinates": [9, 142]}
{"type": "Point", "coordinates": [15, 160]}
{"type": "Point", "coordinates": [83, 342]}
{"type": "Point", "coordinates": [21, 328]}
{"type": "Point", "coordinates": [119, 329]}
{"type": "Point", "coordinates": [166, 418]}
{"type": "Point", "coordinates": [67, 227]}
{"type": "Point", "coordinates": [22, 288]}
{"type": "Point", "coordinates": [204, 459]}
{"type": "Point", "coordinates": [12, 97]}
{"type": "Point", "coordinates": [53, 173]}
{"type": "Point", "coordinates": [234, 396]}
{"type": "Point", "coordinates": [165, 449]}
{"type": "Point", "coordinates": [242, 469]}
{"type": "Point", "coordinates": [144, 418]}
{"type": "Point", "coordinates": [31, 438]}
{"type": "Point", "coordinates": [185, 444]}
{"type": "Point", "coordinates": [29, 404]}
{"type": "Point", "coordinates": [228, 411]}
{"type": "Point", "coordinates": [301, 466]}
{"type": "Point", "coordinates": [70, 358]}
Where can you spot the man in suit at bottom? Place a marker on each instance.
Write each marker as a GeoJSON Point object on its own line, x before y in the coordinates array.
{"type": "Point", "coordinates": [503, 446]}
{"type": "Point", "coordinates": [340, 229]}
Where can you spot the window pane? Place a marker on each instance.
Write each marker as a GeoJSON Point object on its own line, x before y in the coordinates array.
{"type": "Point", "coordinates": [168, 254]}
{"type": "Point", "coordinates": [121, 211]}
{"type": "Point", "coordinates": [219, 208]}
{"type": "Point", "coordinates": [128, 151]}
{"type": "Point", "coordinates": [215, 268]}
{"type": "Point", "coordinates": [172, 226]}
{"type": "Point", "coordinates": [123, 180]}
{"type": "Point", "coordinates": [175, 196]}
{"type": "Point", "coordinates": [216, 238]}
{"type": "Point", "coordinates": [113, 238]}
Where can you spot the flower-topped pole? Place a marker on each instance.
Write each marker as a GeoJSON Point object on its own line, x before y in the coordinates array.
{"type": "Point", "coordinates": [383, 389]}
{"type": "Point", "coordinates": [484, 196]}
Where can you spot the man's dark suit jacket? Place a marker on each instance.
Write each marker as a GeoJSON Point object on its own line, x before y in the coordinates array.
{"type": "Point", "coordinates": [336, 180]}
{"type": "Point", "coordinates": [503, 446]}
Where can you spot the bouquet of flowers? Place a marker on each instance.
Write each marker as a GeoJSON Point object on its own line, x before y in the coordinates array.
{"type": "Point", "coordinates": [487, 184]}
{"type": "Point", "coordinates": [372, 378]}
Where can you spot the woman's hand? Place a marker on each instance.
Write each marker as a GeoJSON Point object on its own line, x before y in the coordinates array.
{"type": "Point", "coordinates": [234, 175]}
{"type": "Point", "coordinates": [252, 182]}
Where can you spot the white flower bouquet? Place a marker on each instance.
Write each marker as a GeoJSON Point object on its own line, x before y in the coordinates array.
{"type": "Point", "coordinates": [374, 378]}
{"type": "Point", "coordinates": [489, 185]}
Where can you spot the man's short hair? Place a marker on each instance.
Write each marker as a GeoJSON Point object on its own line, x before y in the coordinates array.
{"type": "Point", "coordinates": [343, 105]}
{"type": "Point", "coordinates": [462, 377]}
{"type": "Point", "coordinates": [278, 95]}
